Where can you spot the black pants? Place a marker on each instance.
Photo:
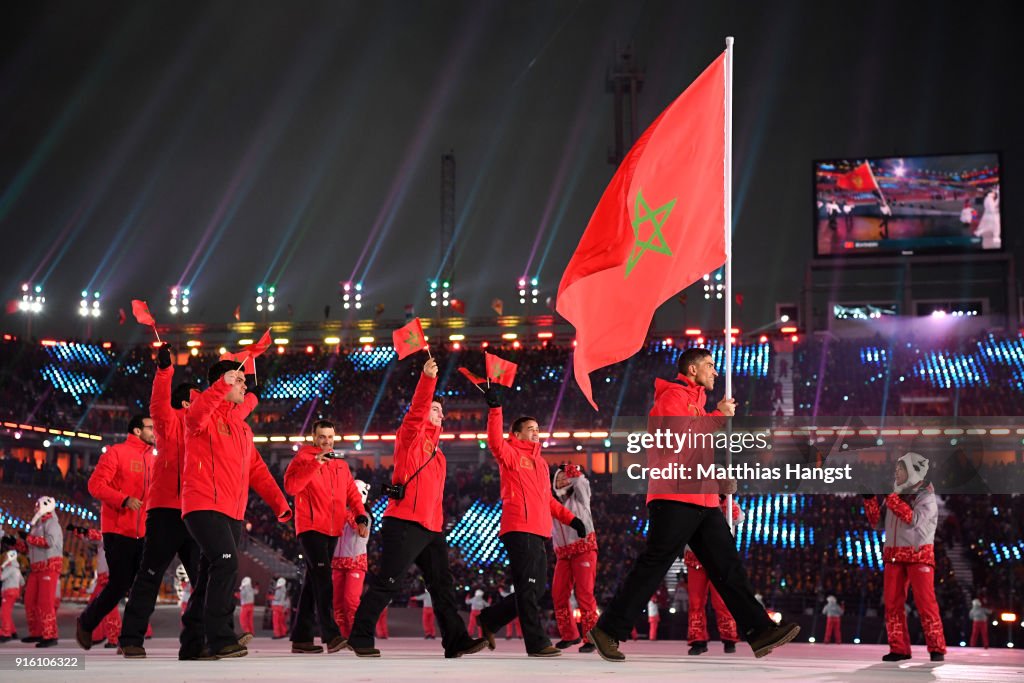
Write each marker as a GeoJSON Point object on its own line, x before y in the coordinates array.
{"type": "Point", "coordinates": [405, 543]}
{"type": "Point", "coordinates": [528, 560]}
{"type": "Point", "coordinates": [210, 613]}
{"type": "Point", "coordinates": [166, 536]}
{"type": "Point", "coordinates": [316, 595]}
{"type": "Point", "coordinates": [123, 554]}
{"type": "Point", "coordinates": [672, 526]}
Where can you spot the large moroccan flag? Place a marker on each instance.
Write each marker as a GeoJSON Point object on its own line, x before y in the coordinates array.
{"type": "Point", "coordinates": [660, 225]}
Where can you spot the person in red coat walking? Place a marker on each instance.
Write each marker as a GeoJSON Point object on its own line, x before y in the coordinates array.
{"type": "Point", "coordinates": [413, 528]}
{"type": "Point", "coordinates": [324, 492]}
{"type": "Point", "coordinates": [527, 507]}
{"type": "Point", "coordinates": [221, 465]}
{"type": "Point", "coordinates": [166, 535]}
{"type": "Point", "coordinates": [677, 519]}
{"type": "Point", "coordinates": [121, 481]}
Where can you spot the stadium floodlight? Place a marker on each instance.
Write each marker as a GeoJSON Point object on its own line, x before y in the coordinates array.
{"type": "Point", "coordinates": [713, 287]}
{"type": "Point", "coordinates": [352, 295]}
{"type": "Point", "coordinates": [32, 298]}
{"type": "Point", "coordinates": [89, 306]}
{"type": "Point", "coordinates": [180, 300]}
{"type": "Point", "coordinates": [528, 289]}
{"type": "Point", "coordinates": [266, 298]}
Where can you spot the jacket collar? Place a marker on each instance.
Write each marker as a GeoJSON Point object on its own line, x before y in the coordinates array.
{"type": "Point", "coordinates": [136, 443]}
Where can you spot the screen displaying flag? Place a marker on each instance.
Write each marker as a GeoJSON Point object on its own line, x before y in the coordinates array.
{"type": "Point", "coordinates": [859, 179]}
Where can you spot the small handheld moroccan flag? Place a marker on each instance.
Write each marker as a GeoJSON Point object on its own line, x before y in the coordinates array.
{"type": "Point", "coordinates": [409, 339]}
{"type": "Point", "coordinates": [499, 370]}
{"type": "Point", "coordinates": [140, 309]}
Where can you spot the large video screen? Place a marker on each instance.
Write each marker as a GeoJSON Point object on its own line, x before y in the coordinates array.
{"type": "Point", "coordinates": [907, 205]}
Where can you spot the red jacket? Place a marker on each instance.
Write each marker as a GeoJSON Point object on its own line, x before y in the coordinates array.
{"type": "Point", "coordinates": [527, 503]}
{"type": "Point", "coordinates": [169, 427]}
{"type": "Point", "coordinates": [323, 493]}
{"type": "Point", "coordinates": [677, 399]}
{"type": "Point", "coordinates": [221, 461]}
{"type": "Point", "coordinates": [123, 471]}
{"type": "Point", "coordinates": [417, 438]}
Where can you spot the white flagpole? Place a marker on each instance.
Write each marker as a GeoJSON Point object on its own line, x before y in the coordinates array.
{"type": "Point", "coordinates": [728, 245]}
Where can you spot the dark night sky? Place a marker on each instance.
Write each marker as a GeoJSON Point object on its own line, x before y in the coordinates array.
{"type": "Point", "coordinates": [222, 144]}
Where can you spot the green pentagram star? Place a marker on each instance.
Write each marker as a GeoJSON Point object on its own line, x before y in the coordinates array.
{"type": "Point", "coordinates": [413, 339]}
{"type": "Point", "coordinates": [498, 372]}
{"type": "Point", "coordinates": [656, 242]}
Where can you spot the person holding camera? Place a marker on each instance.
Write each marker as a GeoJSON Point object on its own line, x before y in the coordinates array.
{"type": "Point", "coordinates": [221, 465]}
{"type": "Point", "coordinates": [324, 492]}
{"type": "Point", "coordinates": [412, 528]}
{"type": "Point", "coordinates": [527, 506]}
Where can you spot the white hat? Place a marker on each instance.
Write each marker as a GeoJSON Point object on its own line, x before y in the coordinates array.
{"type": "Point", "coordinates": [831, 599]}
{"type": "Point", "coordinates": [44, 506]}
{"type": "Point", "coordinates": [180, 573]}
{"type": "Point", "coordinates": [917, 470]}
{"type": "Point", "coordinates": [364, 489]}
{"type": "Point", "coordinates": [281, 582]}
{"type": "Point", "coordinates": [975, 602]}
{"type": "Point", "coordinates": [246, 582]}
{"type": "Point", "coordinates": [479, 593]}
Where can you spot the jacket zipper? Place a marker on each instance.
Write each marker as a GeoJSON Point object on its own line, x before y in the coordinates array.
{"type": "Point", "coordinates": [181, 457]}
{"type": "Point", "coordinates": [244, 488]}
{"type": "Point", "coordinates": [213, 470]}
{"type": "Point", "coordinates": [145, 488]}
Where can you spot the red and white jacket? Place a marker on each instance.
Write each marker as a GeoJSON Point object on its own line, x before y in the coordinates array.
{"type": "Point", "coordinates": [324, 494]}
{"type": "Point", "coordinates": [221, 461]}
{"type": "Point", "coordinates": [910, 521]}
{"type": "Point", "coordinates": [44, 544]}
{"type": "Point", "coordinates": [123, 471]}
{"type": "Point", "coordinates": [576, 499]}
{"type": "Point", "coordinates": [526, 501]}
{"type": "Point", "coordinates": [415, 441]}
{"type": "Point", "coordinates": [350, 553]}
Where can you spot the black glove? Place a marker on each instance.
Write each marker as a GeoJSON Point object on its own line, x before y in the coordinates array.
{"type": "Point", "coordinates": [251, 386]}
{"type": "Point", "coordinates": [867, 496]}
{"type": "Point", "coordinates": [363, 519]}
{"type": "Point", "coordinates": [493, 396]}
{"type": "Point", "coordinates": [23, 534]}
{"type": "Point", "coordinates": [163, 356]}
{"type": "Point", "coordinates": [8, 542]}
{"type": "Point", "coordinates": [579, 527]}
